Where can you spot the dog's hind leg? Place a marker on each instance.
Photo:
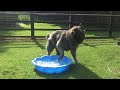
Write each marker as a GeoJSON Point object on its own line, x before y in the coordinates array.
{"type": "Point", "coordinates": [49, 47]}
{"type": "Point", "coordinates": [57, 52]}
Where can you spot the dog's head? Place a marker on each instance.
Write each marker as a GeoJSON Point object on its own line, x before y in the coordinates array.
{"type": "Point", "coordinates": [77, 33]}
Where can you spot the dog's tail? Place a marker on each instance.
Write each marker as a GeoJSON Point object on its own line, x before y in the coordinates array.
{"type": "Point", "coordinates": [47, 36]}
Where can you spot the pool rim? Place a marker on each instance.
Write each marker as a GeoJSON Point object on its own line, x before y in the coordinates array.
{"type": "Point", "coordinates": [33, 61]}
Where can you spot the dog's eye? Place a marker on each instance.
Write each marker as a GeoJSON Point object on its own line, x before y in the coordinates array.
{"type": "Point", "coordinates": [72, 33]}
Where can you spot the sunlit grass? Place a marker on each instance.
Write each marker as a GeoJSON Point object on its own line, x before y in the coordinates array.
{"type": "Point", "coordinates": [40, 26]}
{"type": "Point", "coordinates": [99, 58]}
{"type": "Point", "coordinates": [44, 31]}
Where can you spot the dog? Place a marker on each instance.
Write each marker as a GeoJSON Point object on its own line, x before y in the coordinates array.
{"type": "Point", "coordinates": [65, 40]}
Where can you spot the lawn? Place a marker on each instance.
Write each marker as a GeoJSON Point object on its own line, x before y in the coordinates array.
{"type": "Point", "coordinates": [28, 32]}
{"type": "Point", "coordinates": [99, 59]}
{"type": "Point", "coordinates": [46, 26]}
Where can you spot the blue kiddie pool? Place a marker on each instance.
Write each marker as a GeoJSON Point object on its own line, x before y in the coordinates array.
{"type": "Point", "coordinates": [51, 65]}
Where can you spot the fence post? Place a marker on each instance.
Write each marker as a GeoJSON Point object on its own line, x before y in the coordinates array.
{"type": "Point", "coordinates": [70, 20]}
{"type": "Point", "coordinates": [110, 31]}
{"type": "Point", "coordinates": [32, 26]}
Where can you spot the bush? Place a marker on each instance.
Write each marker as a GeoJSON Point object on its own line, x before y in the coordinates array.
{"type": "Point", "coordinates": [24, 17]}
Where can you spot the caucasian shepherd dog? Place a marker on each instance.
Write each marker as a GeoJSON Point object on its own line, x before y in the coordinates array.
{"type": "Point", "coordinates": [65, 40]}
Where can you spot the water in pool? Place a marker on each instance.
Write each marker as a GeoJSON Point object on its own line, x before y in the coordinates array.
{"type": "Point", "coordinates": [54, 63]}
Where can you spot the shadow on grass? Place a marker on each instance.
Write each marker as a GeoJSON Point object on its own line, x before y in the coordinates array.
{"type": "Point", "coordinates": [86, 44]}
{"type": "Point", "coordinates": [38, 44]}
{"type": "Point", "coordinates": [4, 33]}
{"type": "Point", "coordinates": [75, 71]}
{"type": "Point", "coordinates": [2, 44]}
{"type": "Point", "coordinates": [97, 33]}
{"type": "Point", "coordinates": [63, 26]}
{"type": "Point", "coordinates": [98, 42]}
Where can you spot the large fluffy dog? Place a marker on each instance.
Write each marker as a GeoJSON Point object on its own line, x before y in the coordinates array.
{"type": "Point", "coordinates": [65, 40]}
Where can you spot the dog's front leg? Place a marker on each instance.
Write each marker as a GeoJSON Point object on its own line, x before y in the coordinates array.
{"type": "Point", "coordinates": [73, 52]}
{"type": "Point", "coordinates": [59, 47]}
{"type": "Point", "coordinates": [57, 52]}
{"type": "Point", "coordinates": [61, 51]}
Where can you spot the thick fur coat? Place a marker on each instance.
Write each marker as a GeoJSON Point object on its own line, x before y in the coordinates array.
{"type": "Point", "coordinates": [65, 40]}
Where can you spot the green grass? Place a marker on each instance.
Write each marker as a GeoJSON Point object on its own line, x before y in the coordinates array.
{"type": "Point", "coordinates": [28, 32]}
{"type": "Point", "coordinates": [50, 26]}
{"type": "Point", "coordinates": [99, 59]}
{"type": "Point", "coordinates": [42, 26]}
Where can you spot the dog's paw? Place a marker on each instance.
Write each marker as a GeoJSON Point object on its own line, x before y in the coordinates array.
{"type": "Point", "coordinates": [76, 62]}
{"type": "Point", "coordinates": [59, 59]}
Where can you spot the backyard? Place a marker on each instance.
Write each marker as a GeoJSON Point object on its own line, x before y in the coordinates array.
{"type": "Point", "coordinates": [44, 32]}
{"type": "Point", "coordinates": [99, 58]}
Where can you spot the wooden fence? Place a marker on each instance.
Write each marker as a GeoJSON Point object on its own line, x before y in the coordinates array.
{"type": "Point", "coordinates": [73, 19]}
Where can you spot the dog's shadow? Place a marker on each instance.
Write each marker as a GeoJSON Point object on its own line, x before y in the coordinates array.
{"type": "Point", "coordinates": [38, 44]}
{"type": "Point", "coordinates": [90, 45]}
{"type": "Point", "coordinates": [76, 71]}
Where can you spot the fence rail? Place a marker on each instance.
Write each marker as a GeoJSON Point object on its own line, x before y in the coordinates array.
{"type": "Point", "coordinates": [52, 14]}
{"type": "Point", "coordinates": [71, 22]}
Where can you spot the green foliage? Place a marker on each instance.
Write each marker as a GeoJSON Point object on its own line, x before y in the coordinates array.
{"type": "Point", "coordinates": [24, 17]}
